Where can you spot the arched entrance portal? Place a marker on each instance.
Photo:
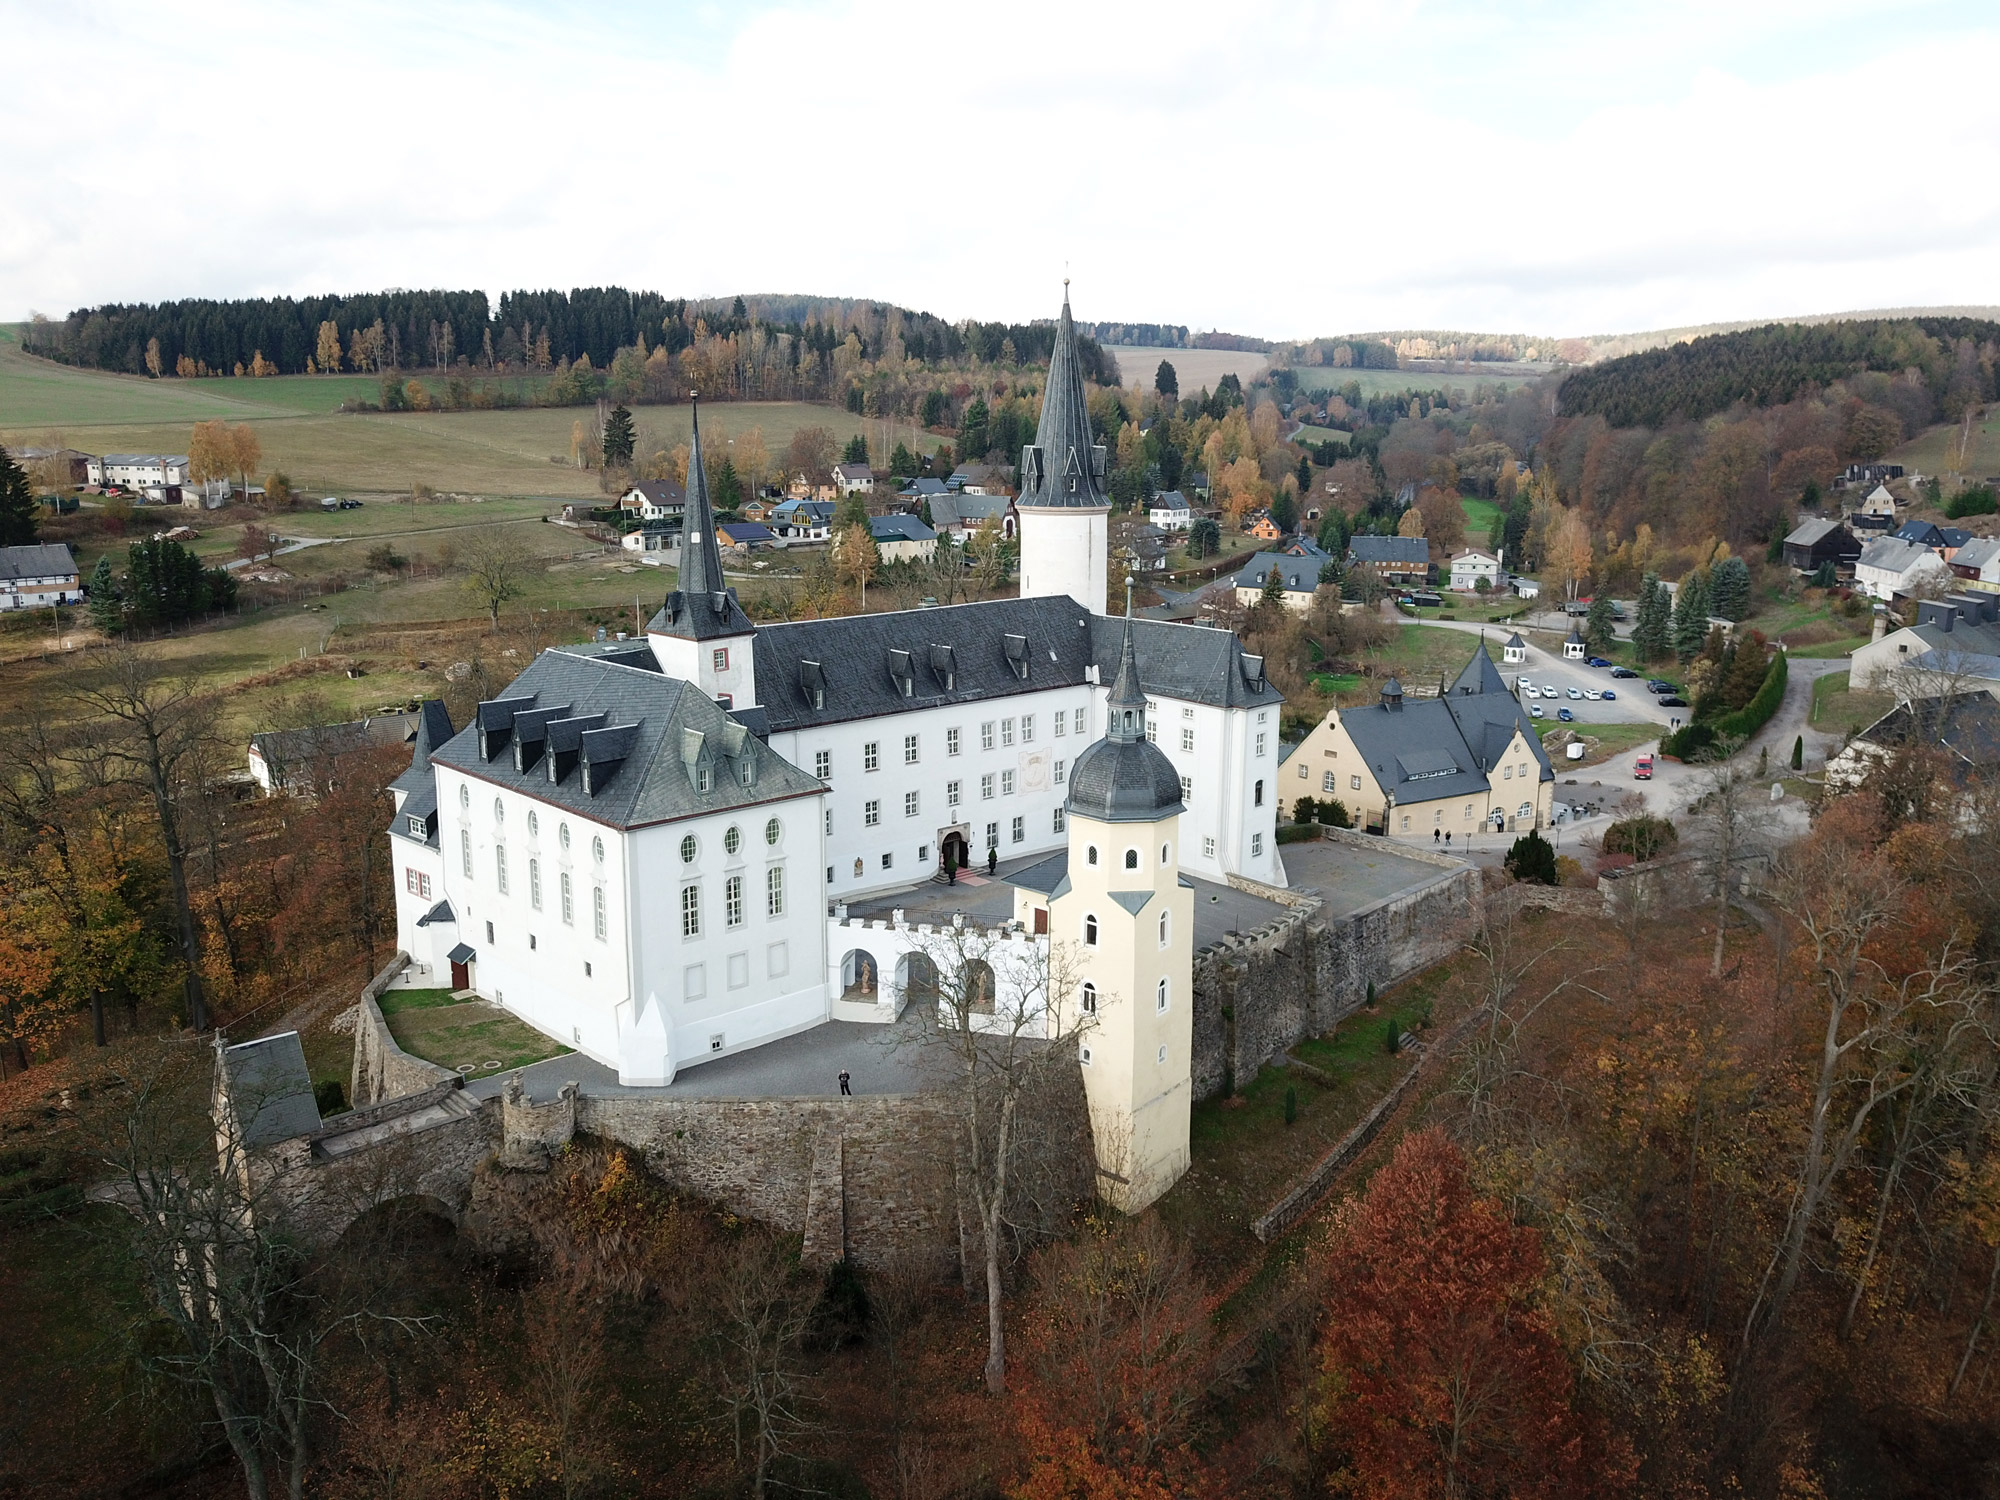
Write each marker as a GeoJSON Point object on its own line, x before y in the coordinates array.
{"type": "Point", "coordinates": [954, 848]}
{"type": "Point", "coordinates": [917, 979]}
{"type": "Point", "coordinates": [860, 977]}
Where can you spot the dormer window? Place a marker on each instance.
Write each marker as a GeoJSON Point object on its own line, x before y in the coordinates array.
{"type": "Point", "coordinates": [417, 827]}
{"type": "Point", "coordinates": [703, 780]}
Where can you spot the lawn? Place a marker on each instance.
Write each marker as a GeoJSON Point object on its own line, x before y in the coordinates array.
{"type": "Point", "coordinates": [1479, 518]}
{"type": "Point", "coordinates": [1420, 654]}
{"type": "Point", "coordinates": [474, 1036]}
{"type": "Point", "coordinates": [1931, 451]}
{"type": "Point", "coordinates": [1309, 435]}
{"type": "Point", "coordinates": [1602, 741]}
{"type": "Point", "coordinates": [1245, 1156]}
{"type": "Point", "coordinates": [1837, 709]}
{"type": "Point", "coordinates": [1487, 609]}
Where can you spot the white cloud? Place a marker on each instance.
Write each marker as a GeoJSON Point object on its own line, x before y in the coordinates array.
{"type": "Point", "coordinates": [1276, 168]}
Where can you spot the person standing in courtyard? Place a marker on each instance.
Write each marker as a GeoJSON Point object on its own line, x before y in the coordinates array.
{"type": "Point", "coordinates": [845, 1090]}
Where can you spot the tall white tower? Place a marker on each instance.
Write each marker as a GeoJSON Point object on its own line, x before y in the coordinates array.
{"type": "Point", "coordinates": [1127, 915]}
{"type": "Point", "coordinates": [1064, 512]}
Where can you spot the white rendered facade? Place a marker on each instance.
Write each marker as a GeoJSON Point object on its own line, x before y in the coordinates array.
{"type": "Point", "coordinates": [1063, 551]}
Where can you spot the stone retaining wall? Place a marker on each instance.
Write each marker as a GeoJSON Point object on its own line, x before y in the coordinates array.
{"type": "Point", "coordinates": [383, 1070]}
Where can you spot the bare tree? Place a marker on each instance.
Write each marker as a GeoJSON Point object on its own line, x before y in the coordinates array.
{"type": "Point", "coordinates": [1512, 985]}
{"type": "Point", "coordinates": [496, 566]}
{"type": "Point", "coordinates": [161, 726]}
{"type": "Point", "coordinates": [1725, 818]}
{"type": "Point", "coordinates": [1001, 1019]}
{"type": "Point", "coordinates": [562, 1326]}
{"type": "Point", "coordinates": [758, 1312]}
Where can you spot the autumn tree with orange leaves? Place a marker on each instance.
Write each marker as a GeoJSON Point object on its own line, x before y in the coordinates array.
{"type": "Point", "coordinates": [1444, 1378]}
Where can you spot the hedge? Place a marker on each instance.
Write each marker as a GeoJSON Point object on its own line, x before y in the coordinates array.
{"type": "Point", "coordinates": [1739, 725]}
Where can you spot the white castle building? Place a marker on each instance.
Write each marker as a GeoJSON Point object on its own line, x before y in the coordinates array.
{"type": "Point", "coordinates": [638, 846]}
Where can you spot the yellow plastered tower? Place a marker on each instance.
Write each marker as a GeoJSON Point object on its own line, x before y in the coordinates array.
{"type": "Point", "coordinates": [1126, 916]}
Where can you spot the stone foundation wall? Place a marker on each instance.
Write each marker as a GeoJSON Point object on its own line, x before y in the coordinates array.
{"type": "Point", "coordinates": [383, 1070]}
{"type": "Point", "coordinates": [1297, 976]}
{"type": "Point", "coordinates": [1675, 883]}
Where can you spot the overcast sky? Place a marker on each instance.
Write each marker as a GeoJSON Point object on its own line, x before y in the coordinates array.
{"type": "Point", "coordinates": [1269, 168]}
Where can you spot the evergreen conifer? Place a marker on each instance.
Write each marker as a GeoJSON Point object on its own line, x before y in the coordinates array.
{"type": "Point", "coordinates": [17, 504]}
{"type": "Point", "coordinates": [618, 438]}
{"type": "Point", "coordinates": [1691, 616]}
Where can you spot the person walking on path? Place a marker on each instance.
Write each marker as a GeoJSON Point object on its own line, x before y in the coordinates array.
{"type": "Point", "coordinates": [844, 1089]}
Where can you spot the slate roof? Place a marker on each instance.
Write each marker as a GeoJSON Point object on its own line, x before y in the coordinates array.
{"type": "Point", "coordinates": [1300, 572]}
{"type": "Point", "coordinates": [270, 1089]}
{"type": "Point", "coordinates": [704, 607]}
{"type": "Point", "coordinates": [1390, 549]}
{"type": "Point", "coordinates": [746, 533]}
{"type": "Point", "coordinates": [624, 740]}
{"type": "Point", "coordinates": [1812, 531]}
{"type": "Point", "coordinates": [36, 560]}
{"type": "Point", "coordinates": [1977, 553]}
{"type": "Point", "coordinates": [922, 489]}
{"type": "Point", "coordinates": [1965, 726]}
{"type": "Point", "coordinates": [853, 471]}
{"type": "Point", "coordinates": [1168, 500]}
{"type": "Point", "coordinates": [1893, 555]}
{"type": "Point", "coordinates": [967, 510]}
{"type": "Point", "coordinates": [284, 748]}
{"type": "Point", "coordinates": [1923, 533]}
{"type": "Point", "coordinates": [1064, 466]}
{"type": "Point", "coordinates": [900, 529]}
{"type": "Point", "coordinates": [812, 672]}
{"type": "Point", "coordinates": [1480, 675]}
{"type": "Point", "coordinates": [433, 729]}
{"type": "Point", "coordinates": [1442, 747]}
{"type": "Point", "coordinates": [660, 492]}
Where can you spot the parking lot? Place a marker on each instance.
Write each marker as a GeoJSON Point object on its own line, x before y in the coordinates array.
{"type": "Point", "coordinates": [1634, 704]}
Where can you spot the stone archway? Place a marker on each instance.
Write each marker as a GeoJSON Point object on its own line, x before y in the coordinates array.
{"type": "Point", "coordinates": [981, 988]}
{"type": "Point", "coordinates": [954, 847]}
{"type": "Point", "coordinates": [917, 979]}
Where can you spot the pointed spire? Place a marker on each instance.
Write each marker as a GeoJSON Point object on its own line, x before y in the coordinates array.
{"type": "Point", "coordinates": [701, 555]}
{"type": "Point", "coordinates": [1126, 706]}
{"type": "Point", "coordinates": [1063, 466]}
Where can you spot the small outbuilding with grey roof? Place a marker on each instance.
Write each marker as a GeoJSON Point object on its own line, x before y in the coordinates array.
{"type": "Point", "coordinates": [1818, 542]}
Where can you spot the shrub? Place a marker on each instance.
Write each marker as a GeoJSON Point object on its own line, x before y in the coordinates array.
{"type": "Point", "coordinates": [1979, 500]}
{"type": "Point", "coordinates": [1644, 837]}
{"type": "Point", "coordinates": [1392, 1039]}
{"type": "Point", "coordinates": [1532, 858]}
{"type": "Point", "coordinates": [1686, 744]}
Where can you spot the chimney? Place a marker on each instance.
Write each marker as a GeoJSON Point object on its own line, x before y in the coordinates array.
{"type": "Point", "coordinates": [1881, 624]}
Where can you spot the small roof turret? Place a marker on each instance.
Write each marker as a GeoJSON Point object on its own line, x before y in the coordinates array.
{"type": "Point", "coordinates": [1125, 777]}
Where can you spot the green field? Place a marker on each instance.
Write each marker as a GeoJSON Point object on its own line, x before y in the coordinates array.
{"type": "Point", "coordinates": [1313, 435]}
{"type": "Point", "coordinates": [1420, 653]}
{"type": "Point", "coordinates": [1837, 709]}
{"type": "Point", "coordinates": [1479, 518]}
{"type": "Point", "coordinates": [1933, 451]}
{"type": "Point", "coordinates": [474, 1036]}
{"type": "Point", "coordinates": [1376, 382]}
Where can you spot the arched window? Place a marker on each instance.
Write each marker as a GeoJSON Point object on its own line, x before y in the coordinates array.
{"type": "Point", "coordinates": [1164, 929]}
{"type": "Point", "coordinates": [1090, 855]}
{"type": "Point", "coordinates": [1090, 931]}
{"type": "Point", "coordinates": [1258, 799]}
{"type": "Point", "coordinates": [1131, 859]}
{"type": "Point", "coordinates": [1160, 998]}
{"type": "Point", "coordinates": [1088, 1001]}
{"type": "Point", "coordinates": [1163, 854]}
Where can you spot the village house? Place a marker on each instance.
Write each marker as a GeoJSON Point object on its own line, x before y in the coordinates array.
{"type": "Point", "coordinates": [654, 537]}
{"type": "Point", "coordinates": [1875, 513]}
{"type": "Point", "coordinates": [1890, 568]}
{"type": "Point", "coordinates": [1961, 728]}
{"type": "Point", "coordinates": [1395, 560]}
{"type": "Point", "coordinates": [295, 761]}
{"type": "Point", "coordinates": [38, 576]}
{"type": "Point", "coordinates": [1170, 511]}
{"type": "Point", "coordinates": [1943, 540]}
{"type": "Point", "coordinates": [1146, 550]}
{"type": "Point", "coordinates": [960, 516]}
{"type": "Point", "coordinates": [1260, 525]}
{"type": "Point", "coordinates": [1296, 566]}
{"type": "Point", "coordinates": [1471, 565]}
{"type": "Point", "coordinates": [1466, 762]}
{"type": "Point", "coordinates": [854, 479]}
{"type": "Point", "coordinates": [902, 538]}
{"type": "Point", "coordinates": [1818, 542]}
{"type": "Point", "coordinates": [1977, 563]}
{"type": "Point", "coordinates": [1952, 643]}
{"type": "Point", "coordinates": [802, 520]}
{"type": "Point", "coordinates": [653, 500]}
{"type": "Point", "coordinates": [150, 473]}
{"type": "Point", "coordinates": [977, 479]}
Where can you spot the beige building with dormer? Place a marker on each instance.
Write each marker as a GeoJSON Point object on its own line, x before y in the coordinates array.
{"type": "Point", "coordinates": [1468, 762]}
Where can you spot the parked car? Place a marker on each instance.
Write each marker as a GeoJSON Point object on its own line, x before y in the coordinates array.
{"type": "Point", "coordinates": [1566, 716]}
{"type": "Point", "coordinates": [1673, 700]}
{"type": "Point", "coordinates": [1642, 768]}
{"type": "Point", "coordinates": [1623, 672]}
{"type": "Point", "coordinates": [1608, 695]}
{"type": "Point", "coordinates": [1654, 684]}
{"type": "Point", "coordinates": [1598, 661]}
{"type": "Point", "coordinates": [1534, 710]}
{"type": "Point", "coordinates": [1592, 694]}
{"type": "Point", "coordinates": [1576, 693]}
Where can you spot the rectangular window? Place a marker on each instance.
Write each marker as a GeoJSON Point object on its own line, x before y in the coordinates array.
{"type": "Point", "coordinates": [1062, 723]}
{"type": "Point", "coordinates": [568, 904]}
{"type": "Point", "coordinates": [1027, 729]}
{"type": "Point", "coordinates": [1187, 713]}
{"type": "Point", "coordinates": [702, 778]}
{"type": "Point", "coordinates": [992, 835]}
{"type": "Point", "coordinates": [1208, 848]}
{"type": "Point", "coordinates": [500, 867]}
{"type": "Point", "coordinates": [986, 786]}
{"type": "Point", "coordinates": [909, 749]}
{"type": "Point", "coordinates": [720, 657]}
{"type": "Point", "coordinates": [535, 884]}
{"type": "Point", "coordinates": [1020, 830]}
{"type": "Point", "coordinates": [1059, 820]}
{"type": "Point", "coordinates": [1187, 741]}
{"type": "Point", "coordinates": [489, 932]}
{"type": "Point", "coordinates": [1061, 772]}
{"type": "Point", "coordinates": [986, 735]}
{"type": "Point", "coordinates": [909, 804]}
{"type": "Point", "coordinates": [951, 793]}
{"type": "Point", "coordinates": [1260, 744]}
{"type": "Point", "coordinates": [871, 813]}
{"type": "Point", "coordinates": [829, 820]}
{"type": "Point", "coordinates": [1080, 720]}
{"type": "Point", "coordinates": [823, 764]}
{"type": "Point", "coordinates": [1187, 789]}
{"type": "Point", "coordinates": [597, 914]}
{"type": "Point", "coordinates": [690, 910]}
{"type": "Point", "coordinates": [1256, 843]}
{"type": "Point", "coordinates": [410, 880]}
{"type": "Point", "coordinates": [1152, 730]}
{"type": "Point", "coordinates": [1354, 783]}
{"type": "Point", "coordinates": [951, 742]}
{"type": "Point", "coordinates": [465, 850]}
{"type": "Point", "coordinates": [1006, 783]}
{"type": "Point", "coordinates": [774, 891]}
{"type": "Point", "coordinates": [1006, 731]}
{"type": "Point", "coordinates": [888, 860]}
{"type": "Point", "coordinates": [871, 756]}
{"type": "Point", "coordinates": [732, 901]}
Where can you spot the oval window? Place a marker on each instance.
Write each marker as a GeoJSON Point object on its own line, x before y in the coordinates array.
{"type": "Point", "coordinates": [772, 831]}
{"type": "Point", "coordinates": [732, 840]}
{"type": "Point", "coordinates": [499, 811]}
{"type": "Point", "coordinates": [534, 825]}
{"type": "Point", "coordinates": [464, 796]}
{"type": "Point", "coordinates": [688, 847]}
{"type": "Point", "coordinates": [562, 835]}
{"type": "Point", "coordinates": [597, 850]}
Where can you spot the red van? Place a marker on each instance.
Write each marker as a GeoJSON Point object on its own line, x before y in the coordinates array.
{"type": "Point", "coordinates": [1642, 768]}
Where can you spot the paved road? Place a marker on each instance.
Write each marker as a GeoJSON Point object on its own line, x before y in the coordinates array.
{"type": "Point", "coordinates": [292, 544]}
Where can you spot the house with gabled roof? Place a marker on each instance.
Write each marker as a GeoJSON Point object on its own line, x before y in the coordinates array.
{"type": "Point", "coordinates": [1819, 541]}
{"type": "Point", "coordinates": [1393, 559]}
{"type": "Point", "coordinates": [1296, 566]}
{"type": "Point", "coordinates": [1467, 761]}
